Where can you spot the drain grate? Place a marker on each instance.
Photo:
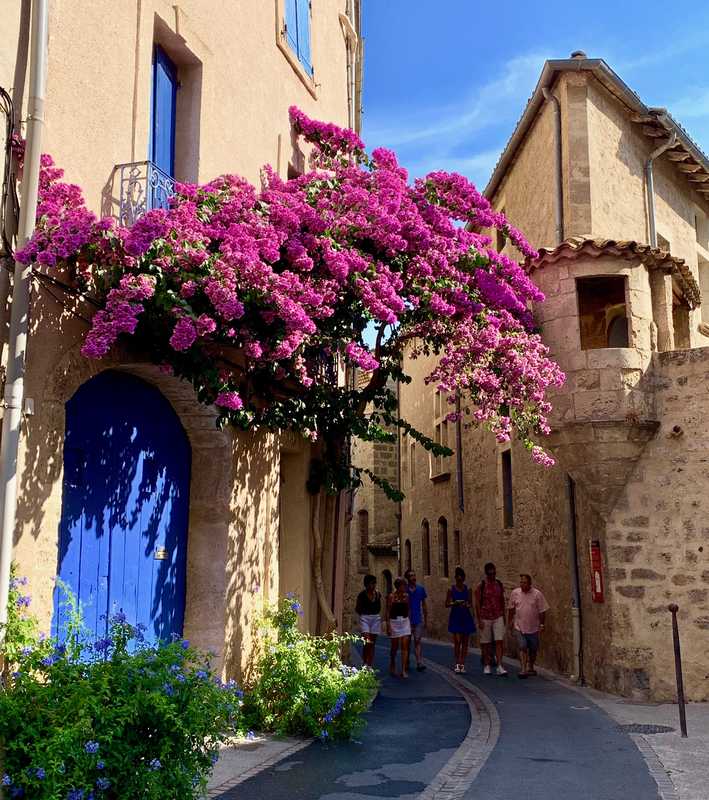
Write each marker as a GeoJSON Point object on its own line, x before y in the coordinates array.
{"type": "Point", "coordinates": [637, 728]}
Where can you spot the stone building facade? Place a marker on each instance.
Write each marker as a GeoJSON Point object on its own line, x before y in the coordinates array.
{"type": "Point", "coordinates": [236, 70]}
{"type": "Point", "coordinates": [622, 515]}
{"type": "Point", "coordinates": [373, 524]}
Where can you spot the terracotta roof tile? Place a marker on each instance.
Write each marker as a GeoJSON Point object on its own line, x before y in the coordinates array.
{"type": "Point", "coordinates": [652, 258]}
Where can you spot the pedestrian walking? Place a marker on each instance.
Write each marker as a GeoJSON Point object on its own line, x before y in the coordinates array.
{"type": "Point", "coordinates": [490, 613]}
{"type": "Point", "coordinates": [398, 627]}
{"type": "Point", "coordinates": [528, 608]}
{"type": "Point", "coordinates": [418, 616]}
{"type": "Point", "coordinates": [460, 621]}
{"type": "Point", "coordinates": [369, 610]}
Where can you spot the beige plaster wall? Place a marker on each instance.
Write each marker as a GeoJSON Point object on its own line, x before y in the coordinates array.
{"type": "Point", "coordinates": [618, 152]}
{"type": "Point", "coordinates": [527, 193]}
{"type": "Point", "coordinates": [237, 84]}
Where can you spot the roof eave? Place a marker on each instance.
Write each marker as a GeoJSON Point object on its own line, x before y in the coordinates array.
{"type": "Point", "coordinates": [612, 82]}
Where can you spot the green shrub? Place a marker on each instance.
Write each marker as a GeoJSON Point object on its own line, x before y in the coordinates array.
{"type": "Point", "coordinates": [302, 686]}
{"type": "Point", "coordinates": [114, 719]}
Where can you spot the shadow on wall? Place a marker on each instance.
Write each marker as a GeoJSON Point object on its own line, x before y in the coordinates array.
{"type": "Point", "coordinates": [252, 548]}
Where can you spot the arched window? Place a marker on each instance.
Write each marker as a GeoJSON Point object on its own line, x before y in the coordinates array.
{"type": "Point", "coordinates": [407, 555]}
{"type": "Point", "coordinates": [387, 581]}
{"type": "Point", "coordinates": [443, 546]}
{"type": "Point", "coordinates": [426, 547]}
{"type": "Point", "coordinates": [363, 531]}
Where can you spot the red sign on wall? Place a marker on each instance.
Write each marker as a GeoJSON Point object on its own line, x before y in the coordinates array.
{"type": "Point", "coordinates": [596, 571]}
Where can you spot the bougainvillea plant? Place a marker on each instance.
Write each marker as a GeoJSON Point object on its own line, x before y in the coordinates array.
{"type": "Point", "coordinates": [252, 295]}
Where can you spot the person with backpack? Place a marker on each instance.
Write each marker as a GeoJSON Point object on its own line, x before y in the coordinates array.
{"type": "Point", "coordinates": [490, 613]}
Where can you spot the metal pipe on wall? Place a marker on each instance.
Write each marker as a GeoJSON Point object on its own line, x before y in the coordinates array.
{"type": "Point", "coordinates": [650, 182]}
{"type": "Point", "coordinates": [558, 167]}
{"type": "Point", "coordinates": [576, 621]}
{"type": "Point", "coordinates": [19, 317]}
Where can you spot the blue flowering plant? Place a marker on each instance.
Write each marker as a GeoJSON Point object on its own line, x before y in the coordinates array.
{"type": "Point", "coordinates": [302, 685]}
{"type": "Point", "coordinates": [113, 718]}
{"type": "Point", "coordinates": [21, 630]}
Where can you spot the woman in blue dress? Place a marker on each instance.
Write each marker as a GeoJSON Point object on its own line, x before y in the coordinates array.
{"type": "Point", "coordinates": [460, 622]}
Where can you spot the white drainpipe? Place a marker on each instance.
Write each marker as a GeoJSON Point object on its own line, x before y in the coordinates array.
{"type": "Point", "coordinates": [19, 317]}
{"type": "Point", "coordinates": [649, 177]}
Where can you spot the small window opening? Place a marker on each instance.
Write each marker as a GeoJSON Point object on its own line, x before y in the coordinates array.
{"type": "Point", "coordinates": [443, 546]}
{"type": "Point", "coordinates": [603, 317]}
{"type": "Point", "coordinates": [407, 555]}
{"type": "Point", "coordinates": [507, 500]}
{"type": "Point", "coordinates": [363, 529]}
{"type": "Point", "coordinates": [426, 547]}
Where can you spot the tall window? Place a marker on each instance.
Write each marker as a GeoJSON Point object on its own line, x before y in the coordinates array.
{"type": "Point", "coordinates": [163, 110]}
{"type": "Point", "coordinates": [426, 547]}
{"type": "Point", "coordinates": [603, 318]}
{"type": "Point", "coordinates": [363, 531]}
{"type": "Point", "coordinates": [443, 546]}
{"type": "Point", "coordinates": [407, 555]}
{"type": "Point", "coordinates": [412, 464]}
{"type": "Point", "coordinates": [457, 555]}
{"type": "Point", "coordinates": [507, 503]}
{"type": "Point", "coordinates": [439, 464]}
{"type": "Point", "coordinates": [500, 237]}
{"type": "Point", "coordinates": [297, 31]}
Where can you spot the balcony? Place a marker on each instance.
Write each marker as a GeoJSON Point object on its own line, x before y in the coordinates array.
{"type": "Point", "coordinates": [141, 187]}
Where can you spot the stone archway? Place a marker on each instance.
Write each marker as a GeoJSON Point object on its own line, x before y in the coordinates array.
{"type": "Point", "coordinates": [210, 495]}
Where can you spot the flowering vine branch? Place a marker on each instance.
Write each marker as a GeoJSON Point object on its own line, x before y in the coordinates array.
{"type": "Point", "coordinates": [251, 295]}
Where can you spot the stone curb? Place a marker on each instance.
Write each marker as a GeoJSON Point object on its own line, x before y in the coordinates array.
{"type": "Point", "coordinates": [218, 791]}
{"type": "Point", "coordinates": [457, 776]}
{"type": "Point", "coordinates": [665, 787]}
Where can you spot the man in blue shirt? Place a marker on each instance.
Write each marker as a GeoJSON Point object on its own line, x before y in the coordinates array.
{"type": "Point", "coordinates": [418, 615]}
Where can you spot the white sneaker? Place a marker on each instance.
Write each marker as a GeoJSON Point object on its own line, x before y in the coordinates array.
{"type": "Point", "coordinates": [488, 669]}
{"type": "Point", "coordinates": [501, 670]}
{"type": "Point", "coordinates": [456, 668]}
{"type": "Point", "coordinates": [462, 669]}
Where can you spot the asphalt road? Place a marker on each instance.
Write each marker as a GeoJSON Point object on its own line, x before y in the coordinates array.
{"type": "Point", "coordinates": [554, 744]}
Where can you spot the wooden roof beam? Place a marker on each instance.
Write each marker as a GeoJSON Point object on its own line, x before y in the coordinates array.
{"type": "Point", "coordinates": [643, 118]}
{"type": "Point", "coordinates": [678, 155]}
{"type": "Point", "coordinates": [698, 178]}
{"type": "Point", "coordinates": [655, 133]}
{"type": "Point", "coordinates": [689, 167]}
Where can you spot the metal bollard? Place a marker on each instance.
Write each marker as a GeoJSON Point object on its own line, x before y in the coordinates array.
{"type": "Point", "coordinates": [673, 609]}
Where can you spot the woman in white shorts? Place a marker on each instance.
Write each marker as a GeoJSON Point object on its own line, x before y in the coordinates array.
{"type": "Point", "coordinates": [369, 610]}
{"type": "Point", "coordinates": [398, 627]}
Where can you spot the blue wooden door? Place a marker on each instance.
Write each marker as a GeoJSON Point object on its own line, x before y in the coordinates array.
{"type": "Point", "coordinates": [163, 112]}
{"type": "Point", "coordinates": [123, 531]}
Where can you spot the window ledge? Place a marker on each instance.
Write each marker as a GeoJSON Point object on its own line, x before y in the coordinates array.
{"type": "Point", "coordinates": [307, 80]}
{"type": "Point", "coordinates": [440, 477]}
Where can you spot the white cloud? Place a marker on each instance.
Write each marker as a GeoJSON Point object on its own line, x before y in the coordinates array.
{"type": "Point", "coordinates": [483, 106]}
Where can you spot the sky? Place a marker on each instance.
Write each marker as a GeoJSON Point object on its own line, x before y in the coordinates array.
{"type": "Point", "coordinates": [445, 81]}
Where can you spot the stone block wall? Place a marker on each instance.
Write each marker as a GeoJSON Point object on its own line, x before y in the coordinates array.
{"type": "Point", "coordinates": [657, 547]}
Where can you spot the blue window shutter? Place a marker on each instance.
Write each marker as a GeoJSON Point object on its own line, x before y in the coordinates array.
{"type": "Point", "coordinates": [163, 108]}
{"type": "Point", "coordinates": [304, 35]}
{"type": "Point", "coordinates": [292, 24]}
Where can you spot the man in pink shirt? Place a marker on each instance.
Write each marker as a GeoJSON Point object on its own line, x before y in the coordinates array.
{"type": "Point", "coordinates": [527, 610]}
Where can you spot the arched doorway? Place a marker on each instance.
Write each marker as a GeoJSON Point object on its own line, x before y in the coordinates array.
{"type": "Point", "coordinates": [125, 504]}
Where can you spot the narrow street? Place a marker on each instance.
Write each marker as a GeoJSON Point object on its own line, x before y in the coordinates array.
{"type": "Point", "coordinates": [477, 737]}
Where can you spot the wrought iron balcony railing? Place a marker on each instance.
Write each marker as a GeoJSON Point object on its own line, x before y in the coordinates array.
{"type": "Point", "coordinates": [142, 187]}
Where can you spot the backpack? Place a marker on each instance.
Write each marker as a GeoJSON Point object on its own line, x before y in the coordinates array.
{"type": "Point", "coordinates": [482, 590]}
